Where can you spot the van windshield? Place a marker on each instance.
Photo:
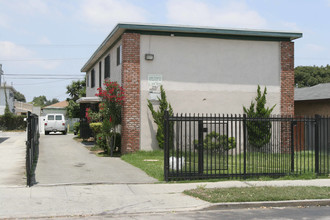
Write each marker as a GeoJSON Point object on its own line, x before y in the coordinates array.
{"type": "Point", "coordinates": [58, 117]}
{"type": "Point", "coordinates": [50, 117]}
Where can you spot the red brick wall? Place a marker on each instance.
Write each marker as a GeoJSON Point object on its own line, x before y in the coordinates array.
{"type": "Point", "coordinates": [287, 78]}
{"type": "Point", "coordinates": [287, 91]}
{"type": "Point", "coordinates": [130, 74]}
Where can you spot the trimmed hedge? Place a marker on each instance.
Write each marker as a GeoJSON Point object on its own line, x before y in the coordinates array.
{"type": "Point", "coordinates": [12, 122]}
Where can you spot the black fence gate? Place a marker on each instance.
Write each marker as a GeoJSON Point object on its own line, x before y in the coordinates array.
{"type": "Point", "coordinates": [32, 147]}
{"type": "Point", "coordinates": [215, 146]}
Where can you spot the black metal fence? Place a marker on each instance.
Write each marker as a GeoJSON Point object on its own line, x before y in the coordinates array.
{"type": "Point", "coordinates": [32, 147]}
{"type": "Point", "coordinates": [216, 146]}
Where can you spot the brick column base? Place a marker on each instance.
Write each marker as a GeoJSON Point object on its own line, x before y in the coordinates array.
{"type": "Point", "coordinates": [130, 74]}
{"type": "Point", "coordinates": [287, 92]}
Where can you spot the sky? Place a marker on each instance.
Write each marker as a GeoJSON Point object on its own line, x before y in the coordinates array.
{"type": "Point", "coordinates": [53, 39]}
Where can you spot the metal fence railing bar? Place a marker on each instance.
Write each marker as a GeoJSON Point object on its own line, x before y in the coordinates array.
{"type": "Point", "coordinates": [216, 146]}
{"type": "Point", "coordinates": [32, 147]}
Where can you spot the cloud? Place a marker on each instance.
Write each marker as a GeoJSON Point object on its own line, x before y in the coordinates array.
{"type": "Point", "coordinates": [314, 48]}
{"type": "Point", "coordinates": [292, 26]}
{"type": "Point", "coordinates": [197, 12]}
{"type": "Point", "coordinates": [4, 21]}
{"type": "Point", "coordinates": [10, 52]}
{"type": "Point", "coordinates": [28, 7]}
{"type": "Point", "coordinates": [107, 13]}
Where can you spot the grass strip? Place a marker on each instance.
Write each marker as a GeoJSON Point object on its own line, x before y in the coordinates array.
{"type": "Point", "coordinates": [252, 194]}
{"type": "Point", "coordinates": [151, 162]}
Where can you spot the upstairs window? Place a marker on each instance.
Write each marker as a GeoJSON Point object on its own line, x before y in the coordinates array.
{"type": "Point", "coordinates": [119, 55]}
{"type": "Point", "coordinates": [107, 67]}
{"type": "Point", "coordinates": [92, 78]}
{"type": "Point", "coordinates": [100, 74]}
{"type": "Point", "coordinates": [87, 80]}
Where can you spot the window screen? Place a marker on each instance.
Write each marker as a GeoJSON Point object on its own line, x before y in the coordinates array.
{"type": "Point", "coordinates": [118, 55]}
{"type": "Point", "coordinates": [107, 67]}
{"type": "Point", "coordinates": [100, 74]}
{"type": "Point", "coordinates": [93, 78]}
{"type": "Point", "coordinates": [58, 117]}
{"type": "Point", "coordinates": [50, 117]}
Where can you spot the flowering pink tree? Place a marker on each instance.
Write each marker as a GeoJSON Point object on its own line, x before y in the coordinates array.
{"type": "Point", "coordinates": [110, 109]}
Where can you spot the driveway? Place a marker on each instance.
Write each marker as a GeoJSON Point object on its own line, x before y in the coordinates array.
{"type": "Point", "coordinates": [12, 158]}
{"type": "Point", "coordinates": [62, 160]}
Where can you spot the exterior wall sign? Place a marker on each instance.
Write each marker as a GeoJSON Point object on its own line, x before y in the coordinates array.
{"type": "Point", "coordinates": [154, 83]}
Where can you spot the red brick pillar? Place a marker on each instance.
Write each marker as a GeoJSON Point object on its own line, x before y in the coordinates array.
{"type": "Point", "coordinates": [130, 75]}
{"type": "Point", "coordinates": [287, 91]}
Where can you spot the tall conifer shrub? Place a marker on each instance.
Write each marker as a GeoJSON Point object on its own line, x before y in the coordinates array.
{"type": "Point", "coordinates": [158, 116]}
{"type": "Point", "coordinates": [259, 131]}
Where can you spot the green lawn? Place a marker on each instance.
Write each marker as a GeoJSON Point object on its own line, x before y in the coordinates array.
{"type": "Point", "coordinates": [250, 194]}
{"type": "Point", "coordinates": [256, 162]}
{"type": "Point", "coordinates": [152, 162]}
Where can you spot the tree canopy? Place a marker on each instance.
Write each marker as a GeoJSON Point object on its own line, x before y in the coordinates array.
{"type": "Point", "coordinates": [42, 101]}
{"type": "Point", "coordinates": [19, 96]}
{"type": "Point", "coordinates": [311, 75]}
{"type": "Point", "coordinates": [76, 90]}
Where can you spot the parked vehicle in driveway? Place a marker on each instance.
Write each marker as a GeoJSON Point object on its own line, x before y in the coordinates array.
{"type": "Point", "coordinates": [55, 123]}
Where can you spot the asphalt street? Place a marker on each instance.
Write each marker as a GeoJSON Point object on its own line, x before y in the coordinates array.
{"type": "Point", "coordinates": [289, 213]}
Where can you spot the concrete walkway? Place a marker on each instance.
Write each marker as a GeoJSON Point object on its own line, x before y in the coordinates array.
{"type": "Point", "coordinates": [12, 158]}
{"type": "Point", "coordinates": [62, 160]}
{"type": "Point", "coordinates": [115, 199]}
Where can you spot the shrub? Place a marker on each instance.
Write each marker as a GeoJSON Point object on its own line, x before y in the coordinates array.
{"type": "Point", "coordinates": [215, 142]}
{"type": "Point", "coordinates": [76, 127]}
{"type": "Point", "coordinates": [101, 141]}
{"type": "Point", "coordinates": [96, 127]}
{"type": "Point", "coordinates": [158, 117]}
{"type": "Point", "coordinates": [110, 111]}
{"type": "Point", "coordinates": [259, 132]}
{"type": "Point", "coordinates": [12, 122]}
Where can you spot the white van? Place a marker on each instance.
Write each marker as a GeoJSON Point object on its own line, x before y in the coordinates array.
{"type": "Point", "coordinates": [55, 123]}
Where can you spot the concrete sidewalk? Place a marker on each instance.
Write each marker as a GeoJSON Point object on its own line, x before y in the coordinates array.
{"type": "Point", "coordinates": [12, 158]}
{"type": "Point", "coordinates": [112, 199]}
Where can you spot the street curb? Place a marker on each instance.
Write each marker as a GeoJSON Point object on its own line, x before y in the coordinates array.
{"type": "Point", "coordinates": [285, 203]}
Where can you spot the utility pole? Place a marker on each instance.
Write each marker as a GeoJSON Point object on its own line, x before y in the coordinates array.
{"type": "Point", "coordinates": [1, 73]}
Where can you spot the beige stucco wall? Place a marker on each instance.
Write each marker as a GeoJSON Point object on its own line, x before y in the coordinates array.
{"type": "Point", "coordinates": [203, 75]}
{"type": "Point", "coordinates": [115, 71]}
{"type": "Point", "coordinates": [312, 107]}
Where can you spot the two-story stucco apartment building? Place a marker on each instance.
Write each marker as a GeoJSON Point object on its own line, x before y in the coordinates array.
{"type": "Point", "coordinates": [202, 69]}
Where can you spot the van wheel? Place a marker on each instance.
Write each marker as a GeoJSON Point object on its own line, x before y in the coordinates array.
{"type": "Point", "coordinates": [64, 132]}
{"type": "Point", "coordinates": [46, 132]}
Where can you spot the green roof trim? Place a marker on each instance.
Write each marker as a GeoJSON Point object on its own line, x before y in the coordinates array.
{"type": "Point", "coordinates": [210, 30]}
{"type": "Point", "coordinates": [187, 31]}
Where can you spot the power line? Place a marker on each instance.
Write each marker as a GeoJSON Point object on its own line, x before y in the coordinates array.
{"type": "Point", "coordinates": [58, 45]}
{"type": "Point", "coordinates": [38, 83]}
{"type": "Point", "coordinates": [43, 78]}
{"type": "Point", "coordinates": [39, 60]}
{"type": "Point", "coordinates": [41, 74]}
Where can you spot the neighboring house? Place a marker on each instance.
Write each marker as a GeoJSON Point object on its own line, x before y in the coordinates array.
{"type": "Point", "coordinates": [310, 101]}
{"type": "Point", "coordinates": [59, 107]}
{"type": "Point", "coordinates": [22, 108]}
{"type": "Point", "coordinates": [202, 69]}
{"type": "Point", "coordinates": [10, 98]}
